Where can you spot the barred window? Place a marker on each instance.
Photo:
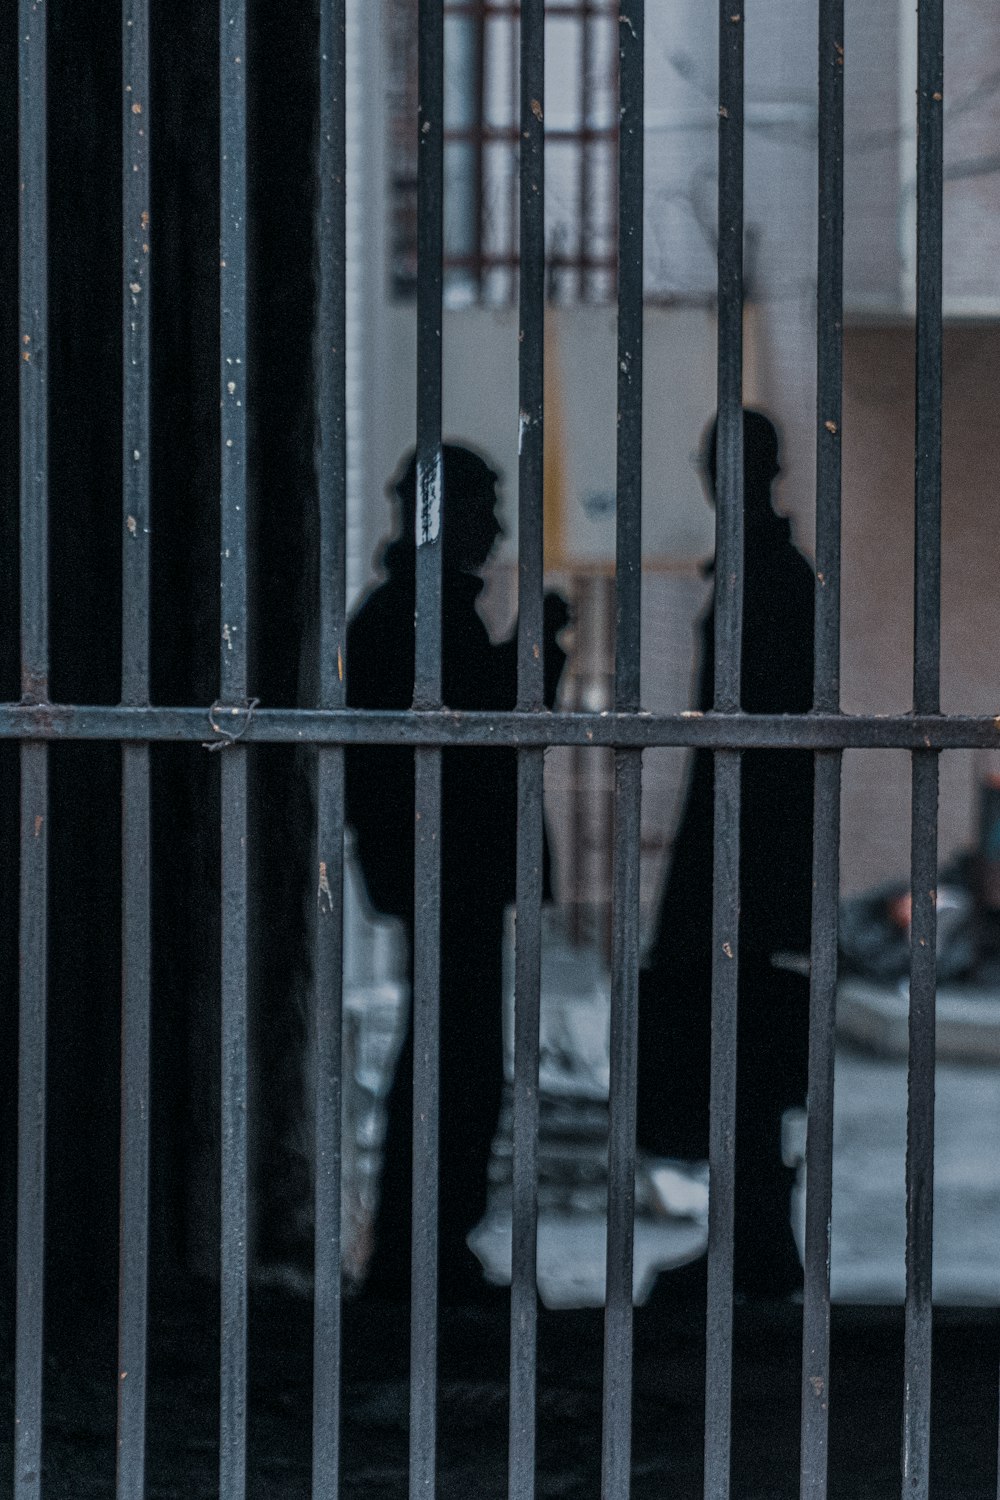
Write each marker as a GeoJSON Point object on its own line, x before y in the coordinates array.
{"type": "Point", "coordinates": [481, 157]}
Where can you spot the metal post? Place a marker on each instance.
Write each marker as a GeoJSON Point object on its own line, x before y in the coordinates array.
{"type": "Point", "coordinates": [726, 865]}
{"type": "Point", "coordinates": [617, 1446]}
{"type": "Point", "coordinates": [926, 700]}
{"type": "Point", "coordinates": [427, 695]}
{"type": "Point", "coordinates": [136, 855]}
{"type": "Point", "coordinates": [233, 695]}
{"type": "Point", "coordinates": [826, 698]}
{"type": "Point", "coordinates": [530, 698]}
{"type": "Point", "coordinates": [328, 999]}
{"type": "Point", "coordinates": [33, 350]}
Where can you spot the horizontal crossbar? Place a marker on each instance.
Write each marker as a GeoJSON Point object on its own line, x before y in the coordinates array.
{"type": "Point", "coordinates": [292, 726]}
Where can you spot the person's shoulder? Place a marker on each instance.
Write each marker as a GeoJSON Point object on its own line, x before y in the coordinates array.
{"type": "Point", "coordinates": [383, 602]}
{"type": "Point", "coordinates": [377, 633]}
{"type": "Point", "coordinates": [789, 558]}
{"type": "Point", "coordinates": [803, 571]}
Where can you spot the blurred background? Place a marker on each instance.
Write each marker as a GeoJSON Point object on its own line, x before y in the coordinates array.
{"type": "Point", "coordinates": [480, 406]}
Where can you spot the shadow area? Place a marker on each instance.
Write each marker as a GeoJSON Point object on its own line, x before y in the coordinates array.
{"type": "Point", "coordinates": [866, 1386]}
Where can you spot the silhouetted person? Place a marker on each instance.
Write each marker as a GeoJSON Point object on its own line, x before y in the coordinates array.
{"type": "Point", "coordinates": [478, 851]}
{"type": "Point", "coordinates": [775, 900]}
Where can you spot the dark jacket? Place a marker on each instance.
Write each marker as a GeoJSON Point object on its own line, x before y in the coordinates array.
{"type": "Point", "coordinates": [479, 787]}
{"type": "Point", "coordinates": [776, 820]}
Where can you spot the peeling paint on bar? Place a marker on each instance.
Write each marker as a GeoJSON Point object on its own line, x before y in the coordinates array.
{"type": "Point", "coordinates": [429, 485]}
{"type": "Point", "coordinates": [308, 726]}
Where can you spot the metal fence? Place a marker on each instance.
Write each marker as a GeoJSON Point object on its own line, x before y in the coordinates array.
{"type": "Point", "coordinates": [236, 723]}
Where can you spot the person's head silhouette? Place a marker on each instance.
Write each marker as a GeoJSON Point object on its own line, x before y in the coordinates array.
{"type": "Point", "coordinates": [470, 495]}
{"type": "Point", "coordinates": [760, 455]}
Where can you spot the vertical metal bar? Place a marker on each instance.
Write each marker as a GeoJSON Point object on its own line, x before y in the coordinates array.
{"type": "Point", "coordinates": [430, 200]}
{"type": "Point", "coordinates": [513, 180]}
{"type": "Point", "coordinates": [478, 20]}
{"type": "Point", "coordinates": [930, 148]}
{"type": "Point", "coordinates": [327, 1321]}
{"type": "Point", "coordinates": [722, 1126]}
{"type": "Point", "coordinates": [920, 1128]}
{"type": "Point", "coordinates": [826, 698]}
{"type": "Point", "coordinates": [530, 696]}
{"type": "Point", "coordinates": [233, 692]}
{"type": "Point", "coordinates": [31, 1123]}
{"type": "Point", "coordinates": [33, 355]}
{"type": "Point", "coordinates": [614, 187]}
{"type": "Point", "coordinates": [628, 574]}
{"type": "Point", "coordinates": [135, 1082]}
{"type": "Point", "coordinates": [427, 694]}
{"type": "Point", "coordinates": [33, 350]}
{"type": "Point", "coordinates": [617, 1443]}
{"type": "Point", "coordinates": [583, 166]}
{"type": "Point", "coordinates": [426, 1108]}
{"type": "Point", "coordinates": [728, 648]}
{"type": "Point", "coordinates": [133, 1270]}
{"type": "Point", "coordinates": [729, 499]}
{"type": "Point", "coordinates": [926, 699]}
{"type": "Point", "coordinates": [232, 1455]}
{"type": "Point", "coordinates": [576, 857]}
{"type": "Point", "coordinates": [527, 982]}
{"type": "Point", "coordinates": [829, 352]}
{"type": "Point", "coordinates": [819, 1127]}
{"type": "Point", "coordinates": [531, 357]}
{"type": "Point", "coordinates": [136, 232]}
{"type": "Point", "coordinates": [332, 420]}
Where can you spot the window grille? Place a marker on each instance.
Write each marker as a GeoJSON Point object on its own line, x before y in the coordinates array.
{"type": "Point", "coordinates": [481, 135]}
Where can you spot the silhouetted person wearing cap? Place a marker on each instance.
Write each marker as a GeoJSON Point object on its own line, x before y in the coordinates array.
{"type": "Point", "coordinates": [478, 852]}
{"type": "Point", "coordinates": [775, 900]}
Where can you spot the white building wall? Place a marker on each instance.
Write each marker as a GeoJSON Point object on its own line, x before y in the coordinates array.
{"type": "Point", "coordinates": [480, 346]}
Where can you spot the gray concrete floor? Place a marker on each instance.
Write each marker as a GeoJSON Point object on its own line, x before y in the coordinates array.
{"type": "Point", "coordinates": [869, 1207]}
{"type": "Point", "coordinates": [866, 1378]}
{"type": "Point", "coordinates": [869, 1187]}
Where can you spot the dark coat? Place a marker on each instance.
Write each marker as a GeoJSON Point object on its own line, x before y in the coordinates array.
{"type": "Point", "coordinates": [776, 820]}
{"type": "Point", "coordinates": [478, 867]}
{"type": "Point", "coordinates": [479, 787]}
{"type": "Point", "coordinates": [776, 825]}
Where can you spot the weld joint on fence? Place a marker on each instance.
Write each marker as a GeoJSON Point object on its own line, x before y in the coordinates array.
{"type": "Point", "coordinates": [245, 707]}
{"type": "Point", "coordinates": [35, 692]}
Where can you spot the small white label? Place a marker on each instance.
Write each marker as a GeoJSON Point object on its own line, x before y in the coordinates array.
{"type": "Point", "coordinates": [429, 486]}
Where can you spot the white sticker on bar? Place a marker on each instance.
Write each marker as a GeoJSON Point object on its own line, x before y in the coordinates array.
{"type": "Point", "coordinates": [429, 486]}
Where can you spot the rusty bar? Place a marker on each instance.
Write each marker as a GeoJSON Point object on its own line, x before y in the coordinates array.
{"type": "Point", "coordinates": [920, 1129]}
{"type": "Point", "coordinates": [31, 1124]}
{"type": "Point", "coordinates": [617, 1423]}
{"type": "Point", "coordinates": [627, 794]}
{"type": "Point", "coordinates": [233, 693]}
{"type": "Point", "coordinates": [479, 140]}
{"type": "Point", "coordinates": [530, 698]}
{"type": "Point", "coordinates": [430, 522]}
{"type": "Point", "coordinates": [331, 375]}
{"type": "Point", "coordinates": [133, 1253]}
{"type": "Point", "coordinates": [33, 351]}
{"type": "Point", "coordinates": [583, 167]}
{"type": "Point", "coordinates": [728, 649]}
{"type": "Point", "coordinates": [926, 699]}
{"type": "Point", "coordinates": [524, 1233]}
{"type": "Point", "coordinates": [588, 730]}
{"type": "Point", "coordinates": [826, 697]}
